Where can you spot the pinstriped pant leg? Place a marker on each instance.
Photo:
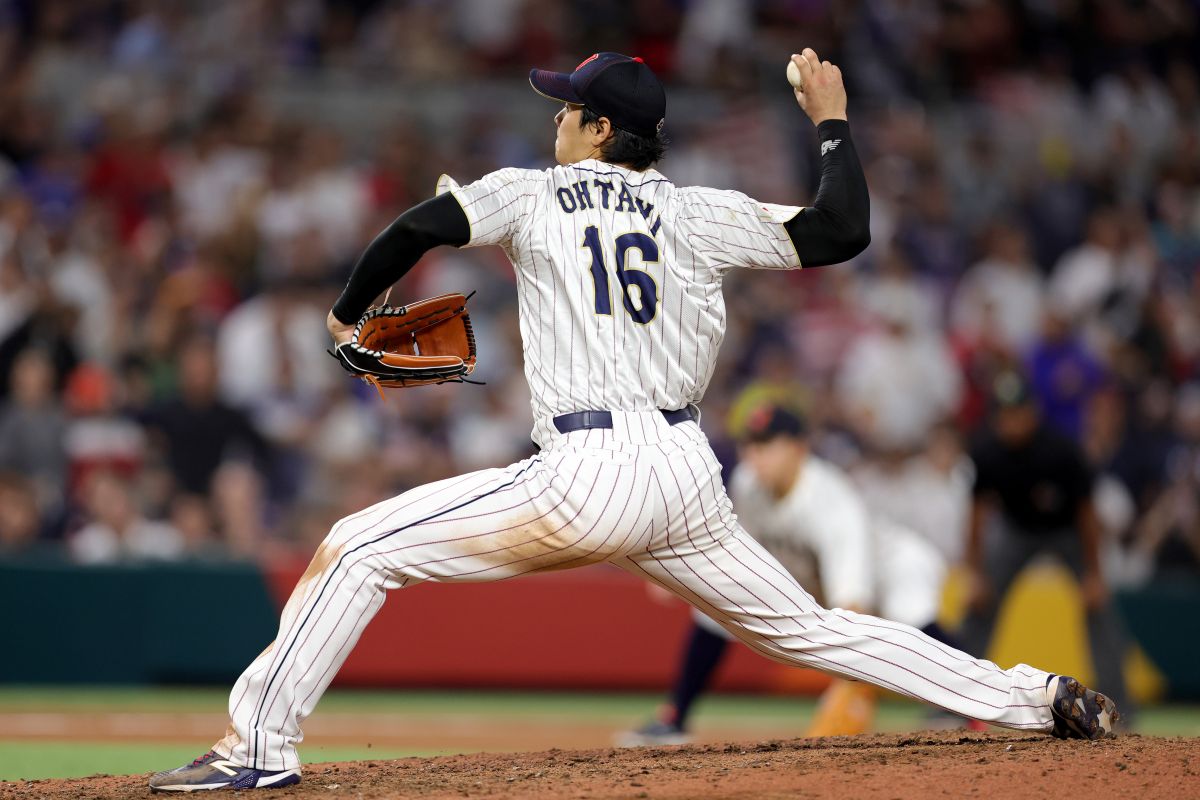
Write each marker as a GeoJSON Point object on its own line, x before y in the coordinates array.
{"type": "Point", "coordinates": [339, 593]}
{"type": "Point", "coordinates": [706, 558]}
{"type": "Point", "coordinates": [549, 512]}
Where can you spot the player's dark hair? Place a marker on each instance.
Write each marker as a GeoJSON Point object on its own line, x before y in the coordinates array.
{"type": "Point", "coordinates": [623, 147]}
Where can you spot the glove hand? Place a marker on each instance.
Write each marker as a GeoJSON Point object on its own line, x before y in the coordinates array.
{"type": "Point", "coordinates": [340, 331]}
{"type": "Point", "coordinates": [429, 341]}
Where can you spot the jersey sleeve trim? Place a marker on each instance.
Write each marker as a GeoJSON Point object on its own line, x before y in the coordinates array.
{"type": "Point", "coordinates": [496, 205]}
{"type": "Point", "coordinates": [446, 184]}
{"type": "Point", "coordinates": [782, 214]}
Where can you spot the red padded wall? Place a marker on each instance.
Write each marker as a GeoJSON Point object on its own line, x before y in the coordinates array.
{"type": "Point", "coordinates": [590, 628]}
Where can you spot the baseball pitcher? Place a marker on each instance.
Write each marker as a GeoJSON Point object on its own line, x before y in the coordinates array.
{"type": "Point", "coordinates": [619, 276]}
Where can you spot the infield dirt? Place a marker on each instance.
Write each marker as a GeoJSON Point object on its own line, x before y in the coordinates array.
{"type": "Point", "coordinates": [921, 765]}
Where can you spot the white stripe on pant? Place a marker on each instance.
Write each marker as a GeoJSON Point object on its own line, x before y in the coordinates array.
{"type": "Point", "coordinates": [645, 496]}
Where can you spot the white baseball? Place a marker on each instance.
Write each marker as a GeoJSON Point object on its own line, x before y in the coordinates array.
{"type": "Point", "coordinates": [793, 75]}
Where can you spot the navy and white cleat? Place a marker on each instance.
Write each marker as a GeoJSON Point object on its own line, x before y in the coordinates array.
{"type": "Point", "coordinates": [653, 734]}
{"type": "Point", "coordinates": [1080, 713]}
{"type": "Point", "coordinates": [211, 771]}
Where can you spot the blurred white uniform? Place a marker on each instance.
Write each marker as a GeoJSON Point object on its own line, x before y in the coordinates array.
{"type": "Point", "coordinates": [864, 561]}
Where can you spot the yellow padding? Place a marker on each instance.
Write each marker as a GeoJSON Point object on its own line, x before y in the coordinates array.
{"type": "Point", "coordinates": [1042, 624]}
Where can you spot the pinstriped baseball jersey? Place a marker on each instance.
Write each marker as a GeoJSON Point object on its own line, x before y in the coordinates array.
{"type": "Point", "coordinates": [619, 278]}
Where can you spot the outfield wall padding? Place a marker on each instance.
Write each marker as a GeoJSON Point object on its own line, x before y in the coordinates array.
{"type": "Point", "coordinates": [185, 623]}
{"type": "Point", "coordinates": [594, 627]}
{"type": "Point", "coordinates": [591, 628]}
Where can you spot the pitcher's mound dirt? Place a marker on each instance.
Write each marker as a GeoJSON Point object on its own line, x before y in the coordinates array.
{"type": "Point", "coordinates": [922, 765]}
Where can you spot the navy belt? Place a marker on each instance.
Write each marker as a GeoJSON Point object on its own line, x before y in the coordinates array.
{"type": "Point", "coordinates": [584, 420]}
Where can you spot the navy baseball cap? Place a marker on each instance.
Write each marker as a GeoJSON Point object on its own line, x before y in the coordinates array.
{"type": "Point", "coordinates": [621, 88]}
{"type": "Point", "coordinates": [768, 421]}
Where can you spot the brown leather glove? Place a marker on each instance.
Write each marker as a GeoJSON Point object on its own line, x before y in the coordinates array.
{"type": "Point", "coordinates": [429, 341]}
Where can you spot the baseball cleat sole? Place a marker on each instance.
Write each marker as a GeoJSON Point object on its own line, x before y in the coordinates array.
{"type": "Point", "coordinates": [1079, 712]}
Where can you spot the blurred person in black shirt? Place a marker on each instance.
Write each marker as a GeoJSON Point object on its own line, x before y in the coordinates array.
{"type": "Point", "coordinates": [198, 431]}
{"type": "Point", "coordinates": [1032, 496]}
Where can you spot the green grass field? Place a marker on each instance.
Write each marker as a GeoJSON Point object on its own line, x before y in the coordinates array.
{"type": "Point", "coordinates": [75, 754]}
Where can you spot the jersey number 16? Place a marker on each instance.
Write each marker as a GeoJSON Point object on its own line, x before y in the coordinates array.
{"type": "Point", "coordinates": [647, 307]}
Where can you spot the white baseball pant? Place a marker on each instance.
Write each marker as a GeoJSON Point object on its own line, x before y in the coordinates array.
{"type": "Point", "coordinates": [645, 496]}
{"type": "Point", "coordinates": [909, 574]}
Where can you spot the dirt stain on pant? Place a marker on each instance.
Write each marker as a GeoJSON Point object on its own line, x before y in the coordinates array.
{"type": "Point", "coordinates": [544, 546]}
{"type": "Point", "coordinates": [321, 560]}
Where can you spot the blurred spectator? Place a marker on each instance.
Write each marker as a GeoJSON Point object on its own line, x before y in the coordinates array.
{"type": "Point", "coordinates": [495, 433]}
{"type": "Point", "coordinates": [929, 493]}
{"type": "Point", "coordinates": [128, 170]}
{"type": "Point", "coordinates": [1089, 278]}
{"type": "Point", "coordinates": [1176, 236]}
{"type": "Point", "coordinates": [1133, 105]}
{"type": "Point", "coordinates": [20, 524]}
{"type": "Point", "coordinates": [1063, 373]}
{"type": "Point", "coordinates": [928, 234]}
{"type": "Point", "coordinates": [1169, 533]}
{"type": "Point", "coordinates": [32, 430]}
{"type": "Point", "coordinates": [77, 279]}
{"type": "Point", "coordinates": [899, 381]}
{"type": "Point", "coordinates": [199, 432]}
{"type": "Point", "coordinates": [709, 27]}
{"type": "Point", "coordinates": [213, 176]}
{"type": "Point", "coordinates": [271, 352]}
{"type": "Point", "coordinates": [99, 436]}
{"type": "Point", "coordinates": [29, 313]}
{"type": "Point", "coordinates": [312, 189]}
{"type": "Point", "coordinates": [115, 530]}
{"type": "Point", "coordinates": [191, 516]}
{"type": "Point", "coordinates": [239, 505]}
{"type": "Point", "coordinates": [1001, 294]}
{"type": "Point", "coordinates": [273, 365]}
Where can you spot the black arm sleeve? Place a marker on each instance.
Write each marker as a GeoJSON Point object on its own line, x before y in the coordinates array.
{"type": "Point", "coordinates": [837, 226]}
{"type": "Point", "coordinates": [439, 220]}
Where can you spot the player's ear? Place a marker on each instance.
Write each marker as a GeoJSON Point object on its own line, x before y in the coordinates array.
{"type": "Point", "coordinates": [602, 130]}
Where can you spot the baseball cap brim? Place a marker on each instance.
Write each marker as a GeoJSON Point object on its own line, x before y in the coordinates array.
{"type": "Point", "coordinates": [554, 85]}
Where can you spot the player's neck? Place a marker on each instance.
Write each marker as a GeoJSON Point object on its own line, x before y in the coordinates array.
{"type": "Point", "coordinates": [791, 477]}
{"type": "Point", "coordinates": [629, 167]}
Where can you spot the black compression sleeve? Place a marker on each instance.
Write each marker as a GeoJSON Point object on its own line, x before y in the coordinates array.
{"type": "Point", "coordinates": [386, 260]}
{"type": "Point", "coordinates": [836, 227]}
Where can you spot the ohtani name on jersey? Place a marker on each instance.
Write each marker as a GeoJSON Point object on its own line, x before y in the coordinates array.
{"type": "Point", "coordinates": [609, 195]}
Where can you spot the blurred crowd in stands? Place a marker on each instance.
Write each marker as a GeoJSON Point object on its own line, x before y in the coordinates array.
{"type": "Point", "coordinates": [171, 239]}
